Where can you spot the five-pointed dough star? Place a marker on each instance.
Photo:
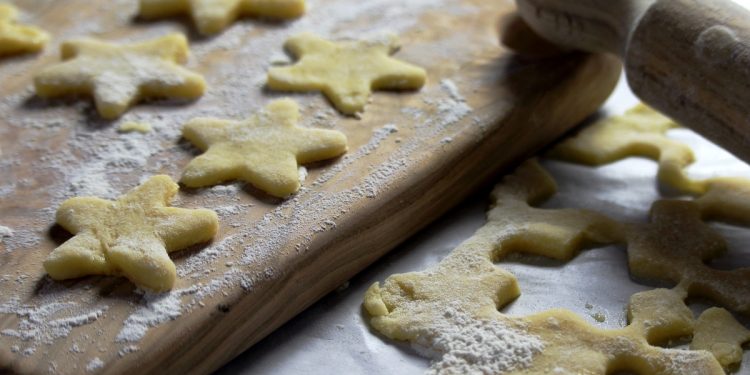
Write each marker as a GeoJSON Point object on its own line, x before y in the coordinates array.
{"type": "Point", "coordinates": [212, 16]}
{"type": "Point", "coordinates": [345, 72]}
{"type": "Point", "coordinates": [263, 150]}
{"type": "Point", "coordinates": [130, 236]}
{"type": "Point", "coordinates": [119, 75]}
{"type": "Point", "coordinates": [15, 38]}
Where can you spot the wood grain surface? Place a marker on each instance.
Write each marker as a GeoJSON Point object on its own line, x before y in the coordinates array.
{"type": "Point", "coordinates": [413, 156]}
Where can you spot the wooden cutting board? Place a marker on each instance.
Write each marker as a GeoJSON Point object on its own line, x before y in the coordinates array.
{"type": "Point", "coordinates": [412, 156]}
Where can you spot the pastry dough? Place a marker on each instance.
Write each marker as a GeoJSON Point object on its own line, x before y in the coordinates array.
{"type": "Point", "coordinates": [132, 126]}
{"type": "Point", "coordinates": [15, 38]}
{"type": "Point", "coordinates": [264, 150]}
{"type": "Point", "coordinates": [119, 75]}
{"type": "Point", "coordinates": [130, 236]}
{"type": "Point", "coordinates": [718, 332]}
{"type": "Point", "coordinates": [212, 16]}
{"type": "Point", "coordinates": [641, 132]}
{"type": "Point", "coordinates": [672, 247]}
{"type": "Point", "coordinates": [345, 72]}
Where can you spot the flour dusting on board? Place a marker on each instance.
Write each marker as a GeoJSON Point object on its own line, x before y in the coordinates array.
{"type": "Point", "coordinates": [156, 308]}
{"type": "Point", "coordinates": [5, 232]}
{"type": "Point", "coordinates": [83, 155]}
{"type": "Point", "coordinates": [94, 365]}
{"type": "Point", "coordinates": [46, 322]}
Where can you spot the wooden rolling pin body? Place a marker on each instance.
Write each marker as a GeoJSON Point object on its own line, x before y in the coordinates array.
{"type": "Point", "coordinates": [687, 58]}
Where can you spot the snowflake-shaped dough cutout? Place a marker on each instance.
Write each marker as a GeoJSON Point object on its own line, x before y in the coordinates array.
{"type": "Point", "coordinates": [119, 75]}
{"type": "Point", "coordinates": [345, 72]}
{"type": "Point", "coordinates": [264, 150]}
{"type": "Point", "coordinates": [15, 38]}
{"type": "Point", "coordinates": [131, 236]}
{"type": "Point", "coordinates": [213, 16]}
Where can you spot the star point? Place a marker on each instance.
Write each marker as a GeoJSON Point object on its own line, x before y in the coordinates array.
{"type": "Point", "coordinates": [131, 236]}
{"type": "Point", "coordinates": [212, 16]}
{"type": "Point", "coordinates": [264, 150]}
{"type": "Point", "coordinates": [346, 72]}
{"type": "Point", "coordinates": [117, 76]}
{"type": "Point", "coordinates": [16, 38]}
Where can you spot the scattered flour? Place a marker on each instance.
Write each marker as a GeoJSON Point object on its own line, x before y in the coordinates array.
{"type": "Point", "coordinates": [44, 323]}
{"type": "Point", "coordinates": [460, 344]}
{"type": "Point", "coordinates": [20, 239]}
{"type": "Point", "coordinates": [127, 350]}
{"type": "Point", "coordinates": [453, 108]}
{"type": "Point", "coordinates": [94, 365]}
{"type": "Point", "coordinates": [157, 308]}
{"type": "Point", "coordinates": [5, 232]}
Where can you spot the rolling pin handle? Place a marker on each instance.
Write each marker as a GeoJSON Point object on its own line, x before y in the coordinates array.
{"type": "Point", "coordinates": [691, 60]}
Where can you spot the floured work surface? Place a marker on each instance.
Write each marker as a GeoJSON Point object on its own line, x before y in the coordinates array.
{"type": "Point", "coordinates": [411, 157]}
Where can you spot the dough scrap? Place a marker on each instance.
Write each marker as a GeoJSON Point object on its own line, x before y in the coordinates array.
{"type": "Point", "coordinates": [119, 75]}
{"type": "Point", "coordinates": [345, 72]}
{"type": "Point", "coordinates": [641, 131]}
{"type": "Point", "coordinates": [407, 306]}
{"type": "Point", "coordinates": [264, 150]}
{"type": "Point", "coordinates": [213, 16]}
{"type": "Point", "coordinates": [16, 38]}
{"type": "Point", "coordinates": [718, 332]}
{"type": "Point", "coordinates": [130, 236]}
{"type": "Point", "coordinates": [132, 126]}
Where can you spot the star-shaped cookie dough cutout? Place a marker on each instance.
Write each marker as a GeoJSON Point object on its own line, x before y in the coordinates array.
{"type": "Point", "coordinates": [345, 72]}
{"type": "Point", "coordinates": [264, 150]}
{"type": "Point", "coordinates": [212, 16]}
{"type": "Point", "coordinates": [119, 75]}
{"type": "Point", "coordinates": [15, 38]}
{"type": "Point", "coordinates": [130, 236]}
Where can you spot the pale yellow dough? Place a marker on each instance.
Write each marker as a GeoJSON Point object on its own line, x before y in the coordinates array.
{"type": "Point", "coordinates": [672, 247]}
{"type": "Point", "coordinates": [641, 131]}
{"type": "Point", "coordinates": [132, 126]}
{"type": "Point", "coordinates": [717, 331]}
{"type": "Point", "coordinates": [213, 16]}
{"type": "Point", "coordinates": [119, 75]}
{"type": "Point", "coordinates": [264, 150]}
{"type": "Point", "coordinates": [15, 38]}
{"type": "Point", "coordinates": [345, 72]}
{"type": "Point", "coordinates": [130, 236]}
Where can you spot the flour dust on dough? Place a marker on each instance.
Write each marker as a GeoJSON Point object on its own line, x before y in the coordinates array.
{"type": "Point", "coordinates": [346, 72]}
{"type": "Point", "coordinates": [264, 150]}
{"type": "Point", "coordinates": [213, 16]}
{"type": "Point", "coordinates": [119, 75]}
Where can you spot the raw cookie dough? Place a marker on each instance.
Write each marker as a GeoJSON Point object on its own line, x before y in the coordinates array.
{"type": "Point", "coordinates": [264, 150]}
{"type": "Point", "coordinates": [641, 131]}
{"type": "Point", "coordinates": [718, 332]}
{"type": "Point", "coordinates": [132, 126]}
{"type": "Point", "coordinates": [130, 236]}
{"type": "Point", "coordinates": [412, 306]}
{"type": "Point", "coordinates": [212, 16]}
{"type": "Point", "coordinates": [345, 72]}
{"type": "Point", "coordinates": [119, 75]}
{"type": "Point", "coordinates": [15, 38]}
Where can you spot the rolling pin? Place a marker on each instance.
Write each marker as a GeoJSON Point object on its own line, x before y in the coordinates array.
{"type": "Point", "coordinates": [689, 59]}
